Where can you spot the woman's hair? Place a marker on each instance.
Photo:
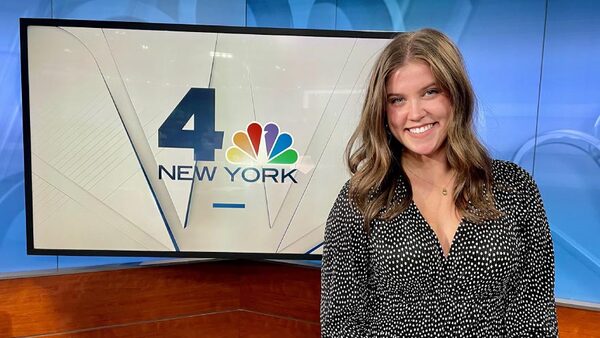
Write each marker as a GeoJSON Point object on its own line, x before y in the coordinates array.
{"type": "Point", "coordinates": [373, 155]}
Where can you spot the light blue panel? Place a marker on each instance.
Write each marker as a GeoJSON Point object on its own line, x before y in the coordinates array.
{"type": "Point", "coordinates": [502, 45]}
{"type": "Point", "coordinates": [404, 15]}
{"type": "Point", "coordinates": [571, 68]}
{"type": "Point", "coordinates": [450, 17]}
{"type": "Point", "coordinates": [13, 247]}
{"type": "Point", "coordinates": [223, 12]}
{"type": "Point", "coordinates": [575, 280]}
{"type": "Point", "coordinates": [570, 184]}
{"type": "Point", "coordinates": [66, 262]}
{"type": "Point", "coordinates": [374, 15]}
{"type": "Point", "coordinates": [319, 14]}
{"type": "Point", "coordinates": [125, 10]}
{"type": "Point", "coordinates": [567, 166]}
{"type": "Point", "coordinates": [226, 12]}
{"type": "Point", "coordinates": [265, 13]}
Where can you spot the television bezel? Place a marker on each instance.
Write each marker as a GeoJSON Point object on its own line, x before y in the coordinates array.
{"type": "Point", "coordinates": [27, 22]}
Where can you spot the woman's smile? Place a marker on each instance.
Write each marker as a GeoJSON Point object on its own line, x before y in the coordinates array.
{"type": "Point", "coordinates": [421, 131]}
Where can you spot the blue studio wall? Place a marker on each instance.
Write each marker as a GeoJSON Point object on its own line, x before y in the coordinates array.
{"type": "Point", "coordinates": [533, 65]}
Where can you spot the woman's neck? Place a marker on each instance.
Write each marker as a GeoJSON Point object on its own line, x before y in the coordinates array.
{"type": "Point", "coordinates": [434, 168]}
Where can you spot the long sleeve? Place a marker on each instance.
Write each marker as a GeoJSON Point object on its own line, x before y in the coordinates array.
{"type": "Point", "coordinates": [531, 309]}
{"type": "Point", "coordinates": [344, 292]}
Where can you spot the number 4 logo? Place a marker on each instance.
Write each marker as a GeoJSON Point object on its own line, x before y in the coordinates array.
{"type": "Point", "coordinates": [204, 139]}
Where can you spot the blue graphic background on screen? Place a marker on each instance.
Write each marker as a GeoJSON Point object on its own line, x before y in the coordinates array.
{"type": "Point", "coordinates": [568, 170]}
{"type": "Point", "coordinates": [502, 44]}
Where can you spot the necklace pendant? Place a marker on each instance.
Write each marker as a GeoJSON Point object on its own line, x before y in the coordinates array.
{"type": "Point", "coordinates": [444, 192]}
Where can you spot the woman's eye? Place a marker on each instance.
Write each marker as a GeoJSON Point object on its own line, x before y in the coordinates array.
{"type": "Point", "coordinates": [396, 100]}
{"type": "Point", "coordinates": [432, 91]}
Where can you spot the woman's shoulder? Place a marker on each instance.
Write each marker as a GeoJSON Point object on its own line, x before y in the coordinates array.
{"type": "Point", "coordinates": [345, 221]}
{"type": "Point", "coordinates": [344, 211]}
{"type": "Point", "coordinates": [513, 179]}
{"type": "Point", "coordinates": [344, 194]}
{"type": "Point", "coordinates": [509, 173]}
{"type": "Point", "coordinates": [343, 202]}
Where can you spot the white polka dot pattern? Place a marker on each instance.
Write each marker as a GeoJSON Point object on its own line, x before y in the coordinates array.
{"type": "Point", "coordinates": [497, 280]}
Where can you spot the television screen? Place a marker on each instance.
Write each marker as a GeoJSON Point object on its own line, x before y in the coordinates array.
{"type": "Point", "coordinates": [191, 141]}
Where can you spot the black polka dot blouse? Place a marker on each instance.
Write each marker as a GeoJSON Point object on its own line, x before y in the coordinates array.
{"type": "Point", "coordinates": [497, 280]}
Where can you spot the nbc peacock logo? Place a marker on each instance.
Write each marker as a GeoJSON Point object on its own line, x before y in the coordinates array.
{"type": "Point", "coordinates": [262, 145]}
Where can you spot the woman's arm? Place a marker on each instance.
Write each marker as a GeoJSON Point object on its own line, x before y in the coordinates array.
{"type": "Point", "coordinates": [531, 309]}
{"type": "Point", "coordinates": [344, 292]}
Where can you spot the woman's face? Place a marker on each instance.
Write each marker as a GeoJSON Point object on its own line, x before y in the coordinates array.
{"type": "Point", "coordinates": [418, 111]}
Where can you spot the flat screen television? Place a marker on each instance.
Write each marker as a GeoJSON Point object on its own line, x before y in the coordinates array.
{"type": "Point", "coordinates": [186, 141]}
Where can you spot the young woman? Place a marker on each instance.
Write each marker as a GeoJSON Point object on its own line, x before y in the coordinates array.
{"type": "Point", "coordinates": [431, 237]}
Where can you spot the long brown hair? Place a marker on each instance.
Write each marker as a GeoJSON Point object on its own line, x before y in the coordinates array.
{"type": "Point", "coordinates": [373, 156]}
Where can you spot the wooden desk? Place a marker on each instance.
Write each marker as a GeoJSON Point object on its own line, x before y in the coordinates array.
{"type": "Point", "coordinates": [206, 299]}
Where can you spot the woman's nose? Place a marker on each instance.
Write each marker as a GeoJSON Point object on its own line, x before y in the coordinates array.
{"type": "Point", "coordinates": [416, 111]}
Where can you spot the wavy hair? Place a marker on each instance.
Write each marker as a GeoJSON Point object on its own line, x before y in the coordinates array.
{"type": "Point", "coordinates": [373, 156]}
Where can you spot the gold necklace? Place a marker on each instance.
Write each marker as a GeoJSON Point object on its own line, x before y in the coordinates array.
{"type": "Point", "coordinates": [444, 190]}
